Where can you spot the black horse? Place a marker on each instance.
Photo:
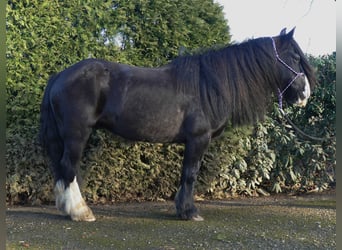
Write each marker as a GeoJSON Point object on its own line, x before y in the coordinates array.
{"type": "Point", "coordinates": [190, 101]}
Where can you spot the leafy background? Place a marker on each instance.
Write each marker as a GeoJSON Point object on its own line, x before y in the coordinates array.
{"type": "Point", "coordinates": [44, 37]}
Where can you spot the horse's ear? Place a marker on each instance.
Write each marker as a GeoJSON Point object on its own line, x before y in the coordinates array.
{"type": "Point", "coordinates": [283, 32]}
{"type": "Point", "coordinates": [285, 37]}
{"type": "Point", "coordinates": [288, 35]}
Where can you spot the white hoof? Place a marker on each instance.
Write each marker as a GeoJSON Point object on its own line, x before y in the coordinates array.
{"type": "Point", "coordinates": [83, 214]}
{"type": "Point", "coordinates": [69, 200]}
{"type": "Point", "coordinates": [197, 218]}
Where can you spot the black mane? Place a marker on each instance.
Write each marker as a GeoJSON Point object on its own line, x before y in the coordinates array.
{"type": "Point", "coordinates": [234, 82]}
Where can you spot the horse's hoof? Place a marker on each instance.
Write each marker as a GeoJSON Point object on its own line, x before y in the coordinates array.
{"type": "Point", "coordinates": [197, 218]}
{"type": "Point", "coordinates": [85, 216]}
{"type": "Point", "coordinates": [88, 218]}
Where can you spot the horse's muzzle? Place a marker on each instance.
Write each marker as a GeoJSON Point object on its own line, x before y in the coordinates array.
{"type": "Point", "coordinates": [306, 94]}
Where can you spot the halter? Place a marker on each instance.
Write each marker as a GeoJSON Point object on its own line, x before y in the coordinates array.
{"type": "Point", "coordinates": [298, 74]}
{"type": "Point", "coordinates": [281, 93]}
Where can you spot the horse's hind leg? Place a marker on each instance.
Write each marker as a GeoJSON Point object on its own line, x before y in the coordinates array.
{"type": "Point", "coordinates": [67, 191]}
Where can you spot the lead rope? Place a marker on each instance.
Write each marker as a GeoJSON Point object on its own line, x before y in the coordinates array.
{"type": "Point", "coordinates": [280, 98]}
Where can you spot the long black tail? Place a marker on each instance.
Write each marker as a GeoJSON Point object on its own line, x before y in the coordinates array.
{"type": "Point", "coordinates": [49, 135]}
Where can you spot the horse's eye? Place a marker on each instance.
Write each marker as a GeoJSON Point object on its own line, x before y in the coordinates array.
{"type": "Point", "coordinates": [296, 58]}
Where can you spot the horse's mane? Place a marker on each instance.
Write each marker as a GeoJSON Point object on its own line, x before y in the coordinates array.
{"type": "Point", "coordinates": [234, 82]}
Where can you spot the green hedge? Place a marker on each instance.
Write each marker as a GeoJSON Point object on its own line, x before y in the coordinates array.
{"type": "Point", "coordinates": [267, 158]}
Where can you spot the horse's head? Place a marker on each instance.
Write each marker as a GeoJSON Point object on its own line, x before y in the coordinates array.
{"type": "Point", "coordinates": [297, 77]}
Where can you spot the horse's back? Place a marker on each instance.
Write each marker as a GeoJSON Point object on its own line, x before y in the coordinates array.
{"type": "Point", "coordinates": [81, 75]}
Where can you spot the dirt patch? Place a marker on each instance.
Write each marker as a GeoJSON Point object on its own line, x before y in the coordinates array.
{"type": "Point", "coordinates": [276, 222]}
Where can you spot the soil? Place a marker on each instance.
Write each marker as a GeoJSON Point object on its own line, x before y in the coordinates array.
{"type": "Point", "coordinates": [274, 222]}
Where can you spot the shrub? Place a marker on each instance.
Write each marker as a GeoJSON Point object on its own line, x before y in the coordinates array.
{"type": "Point", "coordinates": [44, 37]}
{"type": "Point", "coordinates": [261, 159]}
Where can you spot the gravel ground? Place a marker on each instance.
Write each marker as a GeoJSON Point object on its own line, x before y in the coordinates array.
{"type": "Point", "coordinates": [275, 222]}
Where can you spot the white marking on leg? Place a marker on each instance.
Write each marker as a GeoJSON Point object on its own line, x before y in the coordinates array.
{"type": "Point", "coordinates": [59, 194]}
{"type": "Point", "coordinates": [70, 201]}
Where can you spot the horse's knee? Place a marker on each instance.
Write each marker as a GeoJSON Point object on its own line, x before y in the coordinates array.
{"type": "Point", "coordinates": [70, 201]}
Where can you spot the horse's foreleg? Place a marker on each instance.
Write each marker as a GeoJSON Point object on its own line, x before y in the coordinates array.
{"type": "Point", "coordinates": [194, 151]}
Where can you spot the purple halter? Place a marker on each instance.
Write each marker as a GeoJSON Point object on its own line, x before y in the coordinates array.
{"type": "Point", "coordinates": [298, 74]}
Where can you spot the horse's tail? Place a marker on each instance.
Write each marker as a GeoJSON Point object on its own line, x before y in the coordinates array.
{"type": "Point", "coordinates": [49, 135]}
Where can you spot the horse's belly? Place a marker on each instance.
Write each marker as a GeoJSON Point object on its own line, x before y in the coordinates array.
{"type": "Point", "coordinates": [148, 113]}
{"type": "Point", "coordinates": [155, 127]}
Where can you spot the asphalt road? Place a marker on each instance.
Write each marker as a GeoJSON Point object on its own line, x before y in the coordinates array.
{"type": "Point", "coordinates": [276, 222]}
